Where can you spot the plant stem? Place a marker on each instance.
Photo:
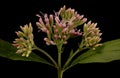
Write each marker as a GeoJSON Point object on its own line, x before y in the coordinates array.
{"type": "Point", "coordinates": [59, 60]}
{"type": "Point", "coordinates": [48, 55]}
{"type": "Point", "coordinates": [69, 67]}
{"type": "Point", "coordinates": [70, 58]}
{"type": "Point", "coordinates": [60, 71]}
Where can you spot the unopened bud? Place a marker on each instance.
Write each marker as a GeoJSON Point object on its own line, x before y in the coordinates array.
{"type": "Point", "coordinates": [56, 30]}
{"type": "Point", "coordinates": [70, 24]}
{"type": "Point", "coordinates": [64, 36]}
{"type": "Point", "coordinates": [45, 39]}
{"type": "Point", "coordinates": [72, 11]}
{"type": "Point", "coordinates": [84, 19]}
{"type": "Point", "coordinates": [44, 29]}
{"type": "Point", "coordinates": [89, 23]}
{"type": "Point", "coordinates": [79, 16]}
{"type": "Point", "coordinates": [47, 43]}
{"type": "Point", "coordinates": [64, 30]}
{"type": "Point", "coordinates": [57, 19]}
{"type": "Point", "coordinates": [47, 20]}
{"type": "Point", "coordinates": [51, 17]}
{"type": "Point", "coordinates": [37, 23]}
{"type": "Point", "coordinates": [59, 36]}
{"type": "Point", "coordinates": [51, 42]}
{"type": "Point", "coordinates": [40, 20]}
{"type": "Point", "coordinates": [65, 42]}
{"type": "Point", "coordinates": [56, 36]}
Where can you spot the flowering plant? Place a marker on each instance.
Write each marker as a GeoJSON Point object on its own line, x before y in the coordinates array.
{"type": "Point", "coordinates": [59, 28]}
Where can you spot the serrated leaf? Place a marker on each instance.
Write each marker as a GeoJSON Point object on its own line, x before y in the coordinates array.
{"type": "Point", "coordinates": [8, 51]}
{"type": "Point", "coordinates": [108, 52]}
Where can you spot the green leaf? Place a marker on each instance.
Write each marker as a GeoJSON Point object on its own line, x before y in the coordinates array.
{"type": "Point", "coordinates": [108, 52]}
{"type": "Point", "coordinates": [8, 51]}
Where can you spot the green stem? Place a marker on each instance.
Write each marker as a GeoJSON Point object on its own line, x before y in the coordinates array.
{"type": "Point", "coordinates": [60, 71]}
{"type": "Point", "coordinates": [59, 60]}
{"type": "Point", "coordinates": [59, 64]}
{"type": "Point", "coordinates": [49, 56]}
{"type": "Point", "coordinates": [70, 58]}
{"type": "Point", "coordinates": [69, 67]}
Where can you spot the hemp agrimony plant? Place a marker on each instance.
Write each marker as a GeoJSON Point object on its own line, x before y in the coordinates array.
{"type": "Point", "coordinates": [59, 28]}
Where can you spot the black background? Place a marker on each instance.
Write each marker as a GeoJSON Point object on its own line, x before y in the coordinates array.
{"type": "Point", "coordinates": [16, 13]}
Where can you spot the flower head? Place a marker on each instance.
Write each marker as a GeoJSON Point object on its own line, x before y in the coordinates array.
{"type": "Point", "coordinates": [91, 35]}
{"type": "Point", "coordinates": [72, 16]}
{"type": "Point", "coordinates": [25, 41]}
{"type": "Point", "coordinates": [61, 26]}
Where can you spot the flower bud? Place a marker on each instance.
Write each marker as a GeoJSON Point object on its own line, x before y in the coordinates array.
{"type": "Point", "coordinates": [51, 42]}
{"type": "Point", "coordinates": [65, 42]}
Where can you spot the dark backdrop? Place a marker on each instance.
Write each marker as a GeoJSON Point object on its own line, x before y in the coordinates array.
{"type": "Point", "coordinates": [16, 13]}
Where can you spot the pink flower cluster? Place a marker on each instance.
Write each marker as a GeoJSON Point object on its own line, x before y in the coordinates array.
{"type": "Point", "coordinates": [61, 26]}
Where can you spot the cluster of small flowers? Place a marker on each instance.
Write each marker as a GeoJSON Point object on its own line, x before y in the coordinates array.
{"type": "Point", "coordinates": [61, 26]}
{"type": "Point", "coordinates": [71, 15]}
{"type": "Point", "coordinates": [25, 41]}
{"type": "Point", "coordinates": [91, 35]}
